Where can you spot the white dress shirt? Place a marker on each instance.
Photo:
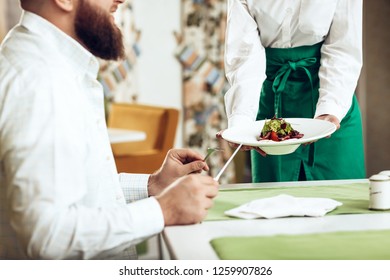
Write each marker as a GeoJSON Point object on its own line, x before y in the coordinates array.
{"type": "Point", "coordinates": [253, 25]}
{"type": "Point", "coordinates": [60, 194]}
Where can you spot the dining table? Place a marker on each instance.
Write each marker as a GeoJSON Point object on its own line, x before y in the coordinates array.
{"type": "Point", "coordinates": [120, 135]}
{"type": "Point", "coordinates": [351, 231]}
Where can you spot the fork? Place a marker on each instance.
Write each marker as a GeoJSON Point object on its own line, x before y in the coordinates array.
{"type": "Point", "coordinates": [210, 151]}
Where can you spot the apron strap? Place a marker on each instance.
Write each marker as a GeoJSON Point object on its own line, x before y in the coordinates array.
{"type": "Point", "coordinates": [279, 85]}
{"type": "Point", "coordinates": [282, 76]}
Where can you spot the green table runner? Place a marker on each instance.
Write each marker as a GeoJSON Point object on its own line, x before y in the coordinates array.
{"type": "Point", "coordinates": [351, 245]}
{"type": "Point", "coordinates": [353, 196]}
{"type": "Point", "coordinates": [335, 245]}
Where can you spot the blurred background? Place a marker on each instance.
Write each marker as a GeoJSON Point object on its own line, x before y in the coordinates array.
{"type": "Point", "coordinates": [175, 59]}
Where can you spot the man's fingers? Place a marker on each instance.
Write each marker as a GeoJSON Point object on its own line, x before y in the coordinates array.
{"type": "Point", "coordinates": [211, 186]}
{"type": "Point", "coordinates": [186, 155]}
{"type": "Point", "coordinates": [212, 191]}
{"type": "Point", "coordinates": [208, 203]}
{"type": "Point", "coordinates": [196, 166]}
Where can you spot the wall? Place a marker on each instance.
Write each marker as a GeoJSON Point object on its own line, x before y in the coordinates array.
{"type": "Point", "coordinates": [9, 15]}
{"type": "Point", "coordinates": [376, 77]}
{"type": "Point", "coordinates": [13, 12]}
{"type": "Point", "coordinates": [159, 71]}
{"type": "Point", "coordinates": [3, 22]}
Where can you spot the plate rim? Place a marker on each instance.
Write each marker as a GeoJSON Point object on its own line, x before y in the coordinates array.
{"type": "Point", "coordinates": [332, 128]}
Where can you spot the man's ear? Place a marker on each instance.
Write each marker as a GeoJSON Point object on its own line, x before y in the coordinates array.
{"type": "Point", "coordinates": [65, 5]}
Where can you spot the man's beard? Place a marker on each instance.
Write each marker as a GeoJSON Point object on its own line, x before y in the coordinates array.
{"type": "Point", "coordinates": [96, 30]}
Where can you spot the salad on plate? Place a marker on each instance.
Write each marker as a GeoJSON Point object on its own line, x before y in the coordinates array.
{"type": "Point", "coordinates": [278, 129]}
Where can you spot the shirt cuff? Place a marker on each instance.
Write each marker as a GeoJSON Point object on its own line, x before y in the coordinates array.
{"type": "Point", "coordinates": [148, 216]}
{"type": "Point", "coordinates": [134, 186]}
{"type": "Point", "coordinates": [327, 108]}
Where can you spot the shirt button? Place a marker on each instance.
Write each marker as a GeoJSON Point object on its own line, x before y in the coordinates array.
{"type": "Point", "coordinates": [108, 158]}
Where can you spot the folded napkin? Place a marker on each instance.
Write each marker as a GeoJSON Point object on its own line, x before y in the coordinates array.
{"type": "Point", "coordinates": [284, 205]}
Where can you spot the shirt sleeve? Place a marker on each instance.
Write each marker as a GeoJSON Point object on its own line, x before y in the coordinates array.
{"type": "Point", "coordinates": [134, 186]}
{"type": "Point", "coordinates": [244, 64]}
{"type": "Point", "coordinates": [341, 60]}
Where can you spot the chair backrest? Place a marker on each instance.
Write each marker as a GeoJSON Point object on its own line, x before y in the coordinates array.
{"type": "Point", "coordinates": [159, 124]}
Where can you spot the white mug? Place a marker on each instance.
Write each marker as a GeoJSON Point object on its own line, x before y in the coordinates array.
{"type": "Point", "coordinates": [379, 192]}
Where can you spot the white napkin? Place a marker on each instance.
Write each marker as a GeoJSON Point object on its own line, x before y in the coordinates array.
{"type": "Point", "coordinates": [284, 205]}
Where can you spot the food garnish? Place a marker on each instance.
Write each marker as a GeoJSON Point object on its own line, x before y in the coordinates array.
{"type": "Point", "coordinates": [277, 129]}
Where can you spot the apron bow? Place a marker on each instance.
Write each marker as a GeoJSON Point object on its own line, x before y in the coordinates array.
{"type": "Point", "coordinates": [279, 85]}
{"type": "Point", "coordinates": [284, 72]}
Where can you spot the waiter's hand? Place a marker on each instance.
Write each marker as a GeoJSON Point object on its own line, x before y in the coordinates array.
{"type": "Point", "coordinates": [330, 118]}
{"type": "Point", "coordinates": [243, 148]}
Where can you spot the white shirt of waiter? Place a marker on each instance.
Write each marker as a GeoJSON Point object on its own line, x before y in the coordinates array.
{"type": "Point", "coordinates": [60, 194]}
{"type": "Point", "coordinates": [257, 24]}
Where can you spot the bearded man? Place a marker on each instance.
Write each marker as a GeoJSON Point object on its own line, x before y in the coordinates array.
{"type": "Point", "coordinates": [60, 194]}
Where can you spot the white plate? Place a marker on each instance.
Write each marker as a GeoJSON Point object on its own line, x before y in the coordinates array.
{"type": "Point", "coordinates": [312, 129]}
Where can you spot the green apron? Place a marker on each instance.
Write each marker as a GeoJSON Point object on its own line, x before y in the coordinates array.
{"type": "Point", "coordinates": [291, 91]}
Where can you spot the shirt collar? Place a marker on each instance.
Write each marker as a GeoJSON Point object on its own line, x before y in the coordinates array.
{"type": "Point", "coordinates": [73, 51]}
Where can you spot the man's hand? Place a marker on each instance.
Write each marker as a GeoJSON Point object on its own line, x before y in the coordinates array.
{"type": "Point", "coordinates": [177, 163]}
{"type": "Point", "coordinates": [187, 200]}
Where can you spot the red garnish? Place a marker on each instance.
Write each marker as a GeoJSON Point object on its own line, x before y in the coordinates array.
{"type": "Point", "coordinates": [274, 136]}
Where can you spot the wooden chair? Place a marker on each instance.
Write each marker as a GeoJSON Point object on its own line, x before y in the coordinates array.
{"type": "Point", "coordinates": [160, 126]}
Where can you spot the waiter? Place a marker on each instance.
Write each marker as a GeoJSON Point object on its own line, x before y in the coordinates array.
{"type": "Point", "coordinates": [298, 59]}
